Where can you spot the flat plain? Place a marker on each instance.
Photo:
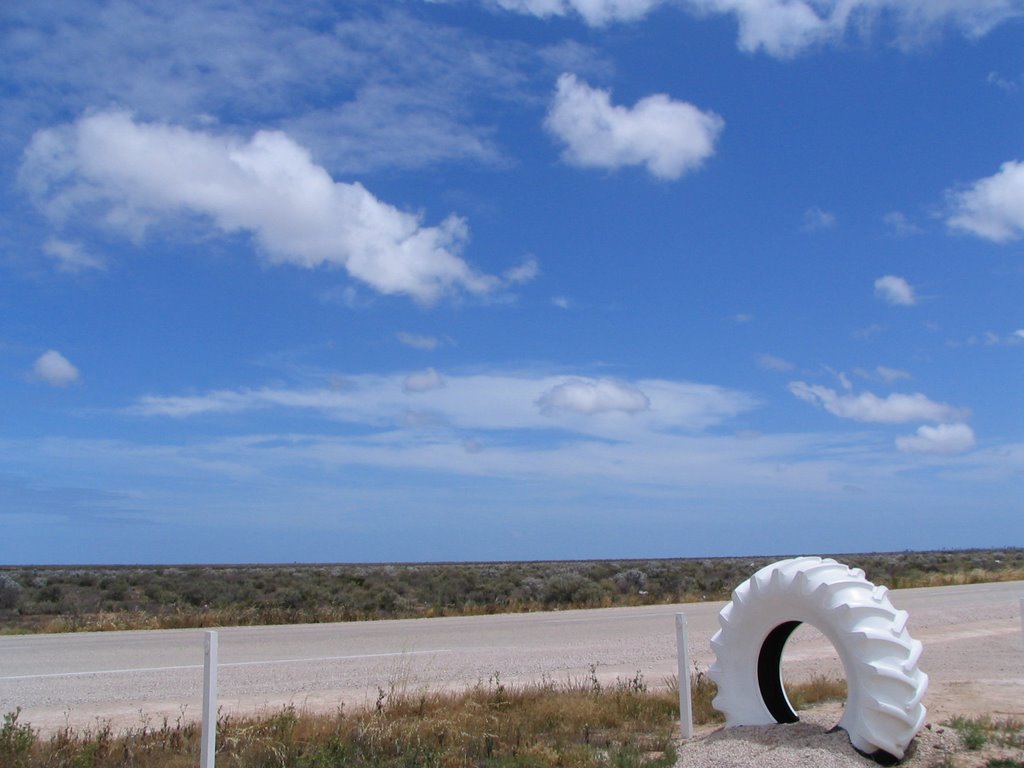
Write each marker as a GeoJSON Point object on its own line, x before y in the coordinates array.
{"type": "Point", "coordinates": [974, 654]}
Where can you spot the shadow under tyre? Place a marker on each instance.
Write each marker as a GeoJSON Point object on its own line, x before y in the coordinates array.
{"type": "Point", "coordinates": [883, 709]}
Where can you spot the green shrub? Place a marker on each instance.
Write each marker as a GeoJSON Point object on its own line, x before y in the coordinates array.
{"type": "Point", "coordinates": [972, 731]}
{"type": "Point", "coordinates": [10, 592]}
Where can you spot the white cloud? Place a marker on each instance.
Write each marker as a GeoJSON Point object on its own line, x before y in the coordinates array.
{"type": "Point", "coordinates": [405, 91]}
{"type": "Point", "coordinates": [779, 27]}
{"type": "Point", "coordinates": [993, 207]}
{"type": "Point", "coordinates": [422, 381]}
{"type": "Point", "coordinates": [418, 341]}
{"type": "Point", "coordinates": [942, 439]}
{"type": "Point", "coordinates": [589, 396]}
{"type": "Point", "coordinates": [504, 402]}
{"type": "Point", "coordinates": [773, 363]}
{"type": "Point", "coordinates": [816, 219]}
{"type": "Point", "coordinates": [669, 137]}
{"type": "Point", "coordinates": [1002, 83]}
{"type": "Point", "coordinates": [894, 409]}
{"type": "Point", "coordinates": [562, 302]}
{"type": "Point", "coordinates": [71, 257]}
{"type": "Point", "coordinates": [132, 174]}
{"type": "Point", "coordinates": [868, 332]}
{"type": "Point", "coordinates": [55, 369]}
{"type": "Point", "coordinates": [596, 13]}
{"type": "Point", "coordinates": [395, 125]}
{"type": "Point", "coordinates": [785, 28]}
{"type": "Point", "coordinates": [989, 339]}
{"type": "Point", "coordinates": [891, 374]}
{"type": "Point", "coordinates": [523, 273]}
{"type": "Point", "coordinates": [900, 225]}
{"type": "Point", "coordinates": [895, 290]}
{"type": "Point", "coordinates": [218, 401]}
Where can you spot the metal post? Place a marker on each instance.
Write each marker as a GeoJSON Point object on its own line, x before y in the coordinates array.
{"type": "Point", "coordinates": [685, 704]}
{"type": "Point", "coordinates": [208, 746]}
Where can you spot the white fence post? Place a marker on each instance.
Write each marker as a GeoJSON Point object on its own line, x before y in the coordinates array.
{"type": "Point", "coordinates": [208, 746]}
{"type": "Point", "coordinates": [685, 704]}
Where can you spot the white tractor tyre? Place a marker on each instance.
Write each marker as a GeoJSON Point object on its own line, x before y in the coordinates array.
{"type": "Point", "coordinates": [884, 686]}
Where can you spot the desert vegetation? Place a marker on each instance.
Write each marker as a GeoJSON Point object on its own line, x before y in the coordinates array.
{"type": "Point", "coordinates": [990, 742]}
{"type": "Point", "coordinates": [578, 723]}
{"type": "Point", "coordinates": [75, 598]}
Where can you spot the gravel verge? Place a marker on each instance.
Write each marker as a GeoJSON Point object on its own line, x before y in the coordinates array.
{"type": "Point", "coordinates": [810, 742]}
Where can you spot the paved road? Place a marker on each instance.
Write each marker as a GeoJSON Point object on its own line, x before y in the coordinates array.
{"type": "Point", "coordinates": [972, 635]}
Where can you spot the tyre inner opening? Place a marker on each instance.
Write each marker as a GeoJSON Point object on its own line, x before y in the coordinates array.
{"type": "Point", "coordinates": [798, 667]}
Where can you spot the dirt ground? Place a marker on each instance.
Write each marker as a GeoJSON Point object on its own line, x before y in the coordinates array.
{"type": "Point", "coordinates": [812, 743]}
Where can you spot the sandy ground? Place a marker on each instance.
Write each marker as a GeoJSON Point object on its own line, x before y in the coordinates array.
{"type": "Point", "coordinates": [812, 743]}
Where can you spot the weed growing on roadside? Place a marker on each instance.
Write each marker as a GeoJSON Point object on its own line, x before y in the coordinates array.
{"type": "Point", "coordinates": [977, 731]}
{"type": "Point", "coordinates": [972, 731]}
{"type": "Point", "coordinates": [16, 740]}
{"type": "Point", "coordinates": [581, 723]}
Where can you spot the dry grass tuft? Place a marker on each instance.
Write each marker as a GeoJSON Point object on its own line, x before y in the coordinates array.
{"type": "Point", "coordinates": [578, 724]}
{"type": "Point", "coordinates": [817, 690]}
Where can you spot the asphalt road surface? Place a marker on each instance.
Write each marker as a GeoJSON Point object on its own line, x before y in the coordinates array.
{"type": "Point", "coordinates": [974, 654]}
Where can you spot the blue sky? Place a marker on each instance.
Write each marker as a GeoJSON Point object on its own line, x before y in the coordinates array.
{"type": "Point", "coordinates": [509, 279]}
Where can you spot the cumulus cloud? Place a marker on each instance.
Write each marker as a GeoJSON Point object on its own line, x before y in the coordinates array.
{"type": "Point", "coordinates": [596, 13]}
{"type": "Point", "coordinates": [942, 440]}
{"type": "Point", "coordinates": [55, 369]}
{"type": "Point", "coordinates": [993, 207]}
{"type": "Point", "coordinates": [71, 257]}
{"type": "Point", "coordinates": [523, 273]}
{"type": "Point", "coordinates": [895, 290]}
{"type": "Point", "coordinates": [422, 381]}
{"type": "Point", "coordinates": [132, 174]}
{"type": "Point", "coordinates": [894, 409]}
{"type": "Point", "coordinates": [590, 396]}
{"type": "Point", "coordinates": [785, 28]}
{"type": "Point", "coordinates": [669, 137]}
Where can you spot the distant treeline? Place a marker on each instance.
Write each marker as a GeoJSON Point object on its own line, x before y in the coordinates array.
{"type": "Point", "coordinates": [69, 598]}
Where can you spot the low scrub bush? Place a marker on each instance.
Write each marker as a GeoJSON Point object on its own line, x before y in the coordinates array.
{"type": "Point", "coordinates": [61, 599]}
